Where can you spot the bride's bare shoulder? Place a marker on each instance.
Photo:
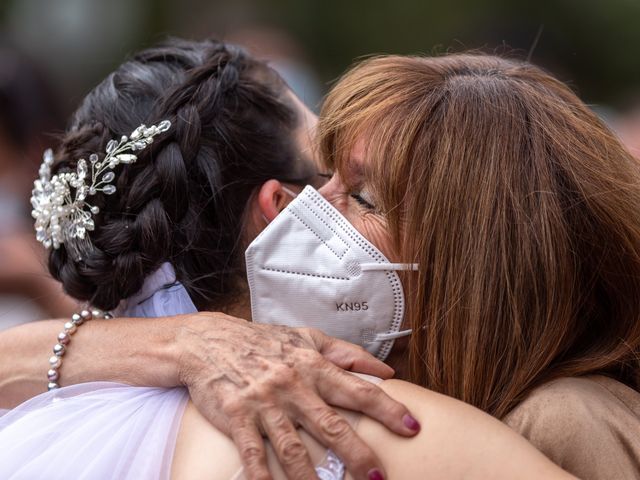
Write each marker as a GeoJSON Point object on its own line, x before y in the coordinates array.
{"type": "Point", "coordinates": [202, 451]}
{"type": "Point", "coordinates": [456, 441]}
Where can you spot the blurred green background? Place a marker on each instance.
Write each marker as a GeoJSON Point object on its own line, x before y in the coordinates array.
{"type": "Point", "coordinates": [591, 44]}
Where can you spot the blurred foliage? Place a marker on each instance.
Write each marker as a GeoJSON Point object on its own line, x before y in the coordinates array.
{"type": "Point", "coordinates": [591, 44]}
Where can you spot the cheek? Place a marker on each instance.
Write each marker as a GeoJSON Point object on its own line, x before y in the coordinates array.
{"type": "Point", "coordinates": [372, 227]}
{"type": "Point", "coordinates": [375, 229]}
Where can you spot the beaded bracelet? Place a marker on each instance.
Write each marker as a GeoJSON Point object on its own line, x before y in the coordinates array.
{"type": "Point", "coordinates": [64, 337]}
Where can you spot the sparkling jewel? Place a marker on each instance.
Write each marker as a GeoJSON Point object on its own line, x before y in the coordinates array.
{"type": "Point", "coordinates": [86, 314]}
{"type": "Point", "coordinates": [53, 375]}
{"type": "Point", "coordinates": [59, 202]}
{"type": "Point", "coordinates": [52, 386]}
{"type": "Point", "coordinates": [77, 319]}
{"type": "Point", "coordinates": [126, 157]}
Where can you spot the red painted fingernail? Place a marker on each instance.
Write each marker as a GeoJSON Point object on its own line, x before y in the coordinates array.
{"type": "Point", "coordinates": [411, 423]}
{"type": "Point", "coordinates": [375, 474]}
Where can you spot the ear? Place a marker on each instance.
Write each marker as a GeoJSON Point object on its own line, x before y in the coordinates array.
{"type": "Point", "coordinates": [272, 199]}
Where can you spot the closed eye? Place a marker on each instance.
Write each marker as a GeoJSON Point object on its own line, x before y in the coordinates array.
{"type": "Point", "coordinates": [358, 198]}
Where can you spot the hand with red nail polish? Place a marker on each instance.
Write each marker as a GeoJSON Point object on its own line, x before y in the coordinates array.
{"type": "Point", "coordinates": [375, 474]}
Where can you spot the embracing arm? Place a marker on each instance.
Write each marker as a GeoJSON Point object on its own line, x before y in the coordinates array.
{"type": "Point", "coordinates": [232, 369]}
{"type": "Point", "coordinates": [458, 442]}
{"type": "Point", "coordinates": [133, 351]}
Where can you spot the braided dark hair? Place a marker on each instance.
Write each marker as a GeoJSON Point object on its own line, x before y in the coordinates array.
{"type": "Point", "coordinates": [183, 200]}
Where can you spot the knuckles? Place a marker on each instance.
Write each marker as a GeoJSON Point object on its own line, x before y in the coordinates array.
{"type": "Point", "coordinates": [333, 425]}
{"type": "Point", "coordinates": [314, 333]}
{"type": "Point", "coordinates": [310, 359]}
{"type": "Point", "coordinates": [366, 391]}
{"type": "Point", "coordinates": [291, 450]}
{"type": "Point", "coordinates": [277, 379]}
{"type": "Point", "coordinates": [271, 387]}
{"type": "Point", "coordinates": [251, 452]}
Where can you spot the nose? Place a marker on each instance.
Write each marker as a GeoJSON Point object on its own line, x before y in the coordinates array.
{"type": "Point", "coordinates": [330, 188]}
{"type": "Point", "coordinates": [335, 192]}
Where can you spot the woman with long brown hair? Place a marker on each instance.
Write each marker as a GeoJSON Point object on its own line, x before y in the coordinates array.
{"type": "Point", "coordinates": [522, 209]}
{"type": "Point", "coordinates": [519, 208]}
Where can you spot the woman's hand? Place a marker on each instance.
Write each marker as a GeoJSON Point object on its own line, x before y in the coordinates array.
{"type": "Point", "coordinates": [251, 380]}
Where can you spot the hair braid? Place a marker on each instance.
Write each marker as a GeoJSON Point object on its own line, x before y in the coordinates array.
{"type": "Point", "coordinates": [183, 200]}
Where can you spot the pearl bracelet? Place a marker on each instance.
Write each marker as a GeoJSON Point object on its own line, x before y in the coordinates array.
{"type": "Point", "coordinates": [64, 337]}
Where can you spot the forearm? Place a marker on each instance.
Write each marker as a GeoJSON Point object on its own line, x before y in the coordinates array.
{"type": "Point", "coordinates": [140, 351]}
{"type": "Point", "coordinates": [23, 360]}
{"type": "Point", "coordinates": [232, 368]}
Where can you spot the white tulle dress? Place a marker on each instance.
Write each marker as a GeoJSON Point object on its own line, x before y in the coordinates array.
{"type": "Point", "coordinates": [105, 430]}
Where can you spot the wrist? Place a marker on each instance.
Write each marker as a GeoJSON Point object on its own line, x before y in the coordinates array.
{"type": "Point", "coordinates": [189, 329]}
{"type": "Point", "coordinates": [197, 337]}
{"type": "Point", "coordinates": [134, 351]}
{"type": "Point", "coordinates": [165, 355]}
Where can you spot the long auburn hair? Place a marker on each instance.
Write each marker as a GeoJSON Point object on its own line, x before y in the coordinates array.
{"type": "Point", "coordinates": [522, 209]}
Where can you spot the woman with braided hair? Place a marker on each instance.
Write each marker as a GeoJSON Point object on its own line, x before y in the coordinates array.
{"type": "Point", "coordinates": [167, 225]}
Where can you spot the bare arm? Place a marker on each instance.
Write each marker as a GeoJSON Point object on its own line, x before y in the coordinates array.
{"type": "Point", "coordinates": [293, 372]}
{"type": "Point", "coordinates": [117, 350]}
{"type": "Point", "coordinates": [458, 442]}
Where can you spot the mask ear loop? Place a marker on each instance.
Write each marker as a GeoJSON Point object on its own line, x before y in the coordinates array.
{"type": "Point", "coordinates": [367, 267]}
{"type": "Point", "coordinates": [289, 191]}
{"type": "Point", "coordinates": [286, 190]}
{"type": "Point", "coordinates": [381, 337]}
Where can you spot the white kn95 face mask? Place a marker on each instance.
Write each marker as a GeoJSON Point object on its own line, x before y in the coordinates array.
{"type": "Point", "coordinates": [311, 268]}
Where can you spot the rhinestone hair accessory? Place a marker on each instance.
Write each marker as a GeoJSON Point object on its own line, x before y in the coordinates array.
{"type": "Point", "coordinates": [61, 209]}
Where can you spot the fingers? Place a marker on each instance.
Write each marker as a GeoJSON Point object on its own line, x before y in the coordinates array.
{"type": "Point", "coordinates": [291, 452]}
{"type": "Point", "coordinates": [349, 356]}
{"type": "Point", "coordinates": [346, 390]}
{"type": "Point", "coordinates": [250, 445]}
{"type": "Point", "coordinates": [334, 431]}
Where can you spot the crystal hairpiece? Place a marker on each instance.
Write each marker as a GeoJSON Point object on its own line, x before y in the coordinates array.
{"type": "Point", "coordinates": [61, 210]}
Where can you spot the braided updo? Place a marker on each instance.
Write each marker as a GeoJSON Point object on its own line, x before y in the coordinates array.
{"type": "Point", "coordinates": [183, 200]}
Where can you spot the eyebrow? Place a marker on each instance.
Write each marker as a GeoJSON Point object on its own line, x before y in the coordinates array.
{"type": "Point", "coordinates": [353, 173]}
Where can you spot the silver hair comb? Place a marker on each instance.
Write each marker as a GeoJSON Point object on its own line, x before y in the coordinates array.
{"type": "Point", "coordinates": [61, 209]}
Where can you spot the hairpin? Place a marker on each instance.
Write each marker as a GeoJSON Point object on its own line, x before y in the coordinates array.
{"type": "Point", "coordinates": [61, 207]}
